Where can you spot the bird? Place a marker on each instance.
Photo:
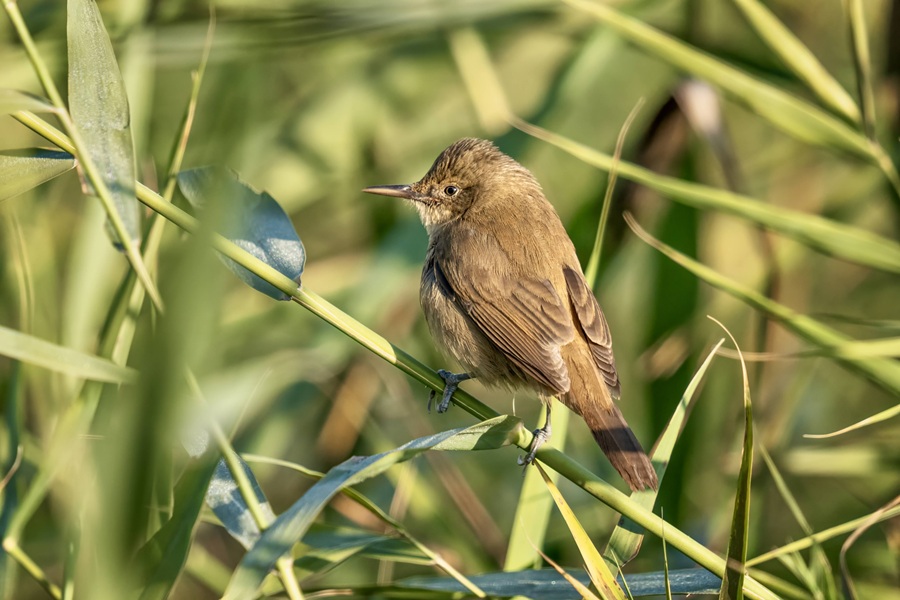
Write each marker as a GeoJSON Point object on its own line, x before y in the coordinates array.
{"type": "Point", "coordinates": [504, 295]}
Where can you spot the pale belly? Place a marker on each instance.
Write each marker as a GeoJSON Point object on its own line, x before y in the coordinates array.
{"type": "Point", "coordinates": [458, 336]}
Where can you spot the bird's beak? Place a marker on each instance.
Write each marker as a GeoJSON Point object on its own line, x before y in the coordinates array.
{"type": "Point", "coordinates": [397, 191]}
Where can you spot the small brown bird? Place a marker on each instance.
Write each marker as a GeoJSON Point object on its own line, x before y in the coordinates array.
{"type": "Point", "coordinates": [504, 294]}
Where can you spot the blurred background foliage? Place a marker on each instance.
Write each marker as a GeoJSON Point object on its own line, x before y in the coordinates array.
{"type": "Point", "coordinates": [314, 100]}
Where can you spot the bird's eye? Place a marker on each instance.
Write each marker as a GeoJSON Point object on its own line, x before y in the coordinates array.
{"type": "Point", "coordinates": [451, 190]}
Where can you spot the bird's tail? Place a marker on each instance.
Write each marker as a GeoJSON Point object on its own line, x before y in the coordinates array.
{"type": "Point", "coordinates": [589, 397]}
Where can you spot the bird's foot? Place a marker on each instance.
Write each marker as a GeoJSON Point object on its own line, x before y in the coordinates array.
{"type": "Point", "coordinates": [540, 437]}
{"type": "Point", "coordinates": [451, 382]}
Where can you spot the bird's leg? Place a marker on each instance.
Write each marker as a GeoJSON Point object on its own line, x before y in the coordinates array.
{"type": "Point", "coordinates": [451, 382]}
{"type": "Point", "coordinates": [540, 436]}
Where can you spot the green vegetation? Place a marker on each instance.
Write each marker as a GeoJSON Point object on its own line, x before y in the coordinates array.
{"type": "Point", "coordinates": [169, 431]}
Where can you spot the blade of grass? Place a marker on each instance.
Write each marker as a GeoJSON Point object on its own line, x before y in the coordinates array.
{"type": "Point", "coordinates": [817, 554]}
{"type": "Point", "coordinates": [849, 588]}
{"type": "Point", "coordinates": [627, 537]}
{"type": "Point", "coordinates": [820, 537]}
{"type": "Point", "coordinates": [833, 238]}
{"type": "Point", "coordinates": [798, 58]}
{"type": "Point", "coordinates": [582, 589]}
{"type": "Point", "coordinates": [884, 415]}
{"type": "Point", "coordinates": [733, 582]}
{"type": "Point", "coordinates": [48, 355]}
{"type": "Point", "coordinates": [596, 567]}
{"type": "Point", "coordinates": [862, 63]}
{"type": "Point", "coordinates": [790, 114]}
{"type": "Point", "coordinates": [884, 372]}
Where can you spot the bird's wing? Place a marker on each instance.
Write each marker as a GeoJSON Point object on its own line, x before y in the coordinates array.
{"type": "Point", "coordinates": [523, 317]}
{"type": "Point", "coordinates": [593, 324]}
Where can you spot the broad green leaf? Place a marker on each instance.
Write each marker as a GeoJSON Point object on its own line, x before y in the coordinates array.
{"type": "Point", "coordinates": [42, 353]}
{"type": "Point", "coordinates": [627, 537]}
{"type": "Point", "coordinates": [252, 220]}
{"type": "Point", "coordinates": [798, 58]}
{"type": "Point", "coordinates": [291, 525]}
{"type": "Point", "coordinates": [736, 556]}
{"type": "Point", "coordinates": [596, 567]}
{"type": "Point", "coordinates": [883, 371]}
{"type": "Point", "coordinates": [13, 101]}
{"type": "Point", "coordinates": [547, 584]}
{"type": "Point", "coordinates": [831, 237]}
{"type": "Point", "coordinates": [163, 557]}
{"type": "Point", "coordinates": [99, 107]}
{"type": "Point", "coordinates": [229, 506]}
{"type": "Point", "coordinates": [794, 116]}
{"type": "Point", "coordinates": [22, 170]}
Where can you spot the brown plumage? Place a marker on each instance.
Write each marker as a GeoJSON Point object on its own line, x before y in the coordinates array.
{"type": "Point", "coordinates": [503, 293]}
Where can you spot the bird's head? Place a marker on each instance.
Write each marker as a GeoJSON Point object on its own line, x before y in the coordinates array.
{"type": "Point", "coordinates": [469, 173]}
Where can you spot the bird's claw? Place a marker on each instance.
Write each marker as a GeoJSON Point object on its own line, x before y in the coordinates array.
{"type": "Point", "coordinates": [540, 436]}
{"type": "Point", "coordinates": [451, 383]}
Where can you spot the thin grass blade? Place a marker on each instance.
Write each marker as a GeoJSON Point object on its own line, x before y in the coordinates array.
{"type": "Point", "coordinates": [790, 114]}
{"type": "Point", "coordinates": [735, 571]}
{"type": "Point", "coordinates": [884, 372]}
{"type": "Point", "coordinates": [14, 100]}
{"type": "Point", "coordinates": [798, 58]}
{"type": "Point", "coordinates": [600, 574]}
{"type": "Point", "coordinates": [825, 235]}
{"type": "Point", "coordinates": [862, 62]}
{"type": "Point", "coordinates": [48, 355]}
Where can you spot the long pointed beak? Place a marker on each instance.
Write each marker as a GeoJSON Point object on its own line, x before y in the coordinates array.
{"type": "Point", "coordinates": [397, 191]}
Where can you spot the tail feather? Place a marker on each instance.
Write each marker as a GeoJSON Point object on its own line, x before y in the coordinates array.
{"type": "Point", "coordinates": [589, 397]}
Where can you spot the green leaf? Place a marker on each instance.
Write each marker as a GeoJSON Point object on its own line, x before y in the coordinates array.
{"type": "Point", "coordinates": [13, 101]}
{"type": "Point", "coordinates": [327, 546]}
{"type": "Point", "coordinates": [35, 351]}
{"type": "Point", "coordinates": [798, 58]}
{"type": "Point", "coordinates": [790, 114]}
{"type": "Point", "coordinates": [627, 537]}
{"type": "Point", "coordinates": [290, 526]}
{"type": "Point", "coordinates": [836, 239]}
{"type": "Point", "coordinates": [22, 170]}
{"type": "Point", "coordinates": [229, 506]}
{"type": "Point", "coordinates": [252, 220]}
{"type": "Point", "coordinates": [599, 572]}
{"type": "Point", "coordinates": [164, 555]}
{"type": "Point", "coordinates": [736, 556]}
{"type": "Point", "coordinates": [99, 107]}
{"type": "Point", "coordinates": [883, 371]}
{"type": "Point", "coordinates": [547, 584]}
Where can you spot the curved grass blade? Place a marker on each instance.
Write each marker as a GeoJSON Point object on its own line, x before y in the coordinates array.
{"type": "Point", "coordinates": [735, 571]}
{"type": "Point", "coordinates": [584, 590]}
{"type": "Point", "coordinates": [22, 170]}
{"type": "Point", "coordinates": [42, 353]}
{"type": "Point", "coordinates": [798, 58]}
{"type": "Point", "coordinates": [596, 567]}
{"type": "Point", "coordinates": [99, 108]}
{"type": "Point", "coordinates": [884, 415]}
{"type": "Point", "coordinates": [627, 537]}
{"type": "Point", "coordinates": [833, 238]}
{"type": "Point", "coordinates": [13, 101]}
{"type": "Point", "coordinates": [790, 114]}
{"type": "Point", "coordinates": [884, 372]}
{"type": "Point", "coordinates": [290, 526]}
{"type": "Point", "coordinates": [253, 220]}
{"type": "Point", "coordinates": [849, 588]}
